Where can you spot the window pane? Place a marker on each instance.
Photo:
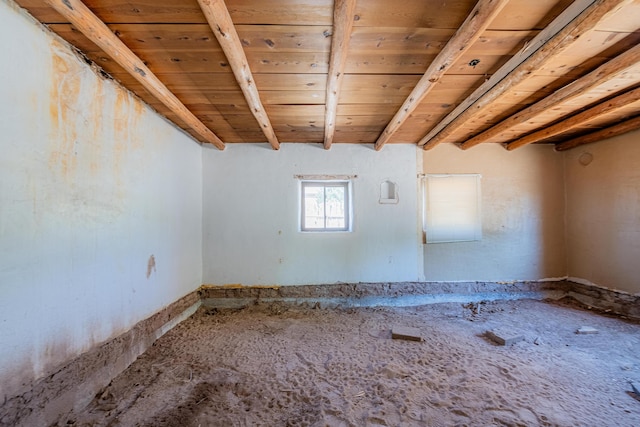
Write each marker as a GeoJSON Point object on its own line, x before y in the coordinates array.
{"type": "Point", "coordinates": [314, 207]}
{"type": "Point", "coordinates": [325, 206]}
{"type": "Point", "coordinates": [335, 207]}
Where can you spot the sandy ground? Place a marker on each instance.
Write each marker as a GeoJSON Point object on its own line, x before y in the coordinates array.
{"type": "Point", "coordinates": [273, 365]}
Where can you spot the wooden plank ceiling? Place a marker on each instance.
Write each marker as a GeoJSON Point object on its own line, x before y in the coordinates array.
{"type": "Point", "coordinates": [379, 72]}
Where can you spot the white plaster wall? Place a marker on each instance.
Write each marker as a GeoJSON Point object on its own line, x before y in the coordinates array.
{"type": "Point", "coordinates": [603, 213]}
{"type": "Point", "coordinates": [522, 215]}
{"type": "Point", "coordinates": [251, 201]}
{"type": "Point", "coordinates": [92, 183]}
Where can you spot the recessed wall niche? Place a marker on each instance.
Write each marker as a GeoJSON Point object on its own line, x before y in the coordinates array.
{"type": "Point", "coordinates": [388, 192]}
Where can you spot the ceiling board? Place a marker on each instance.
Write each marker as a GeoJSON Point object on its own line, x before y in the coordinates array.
{"type": "Point", "coordinates": [288, 42]}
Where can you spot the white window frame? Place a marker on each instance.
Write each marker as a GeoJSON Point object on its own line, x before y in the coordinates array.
{"type": "Point", "coordinates": [472, 225]}
{"type": "Point", "coordinates": [346, 184]}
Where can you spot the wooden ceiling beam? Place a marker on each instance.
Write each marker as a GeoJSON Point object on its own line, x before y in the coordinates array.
{"type": "Point", "coordinates": [609, 132]}
{"type": "Point", "coordinates": [220, 22]}
{"type": "Point", "coordinates": [569, 123]}
{"type": "Point", "coordinates": [476, 23]}
{"type": "Point", "coordinates": [343, 16]}
{"type": "Point", "coordinates": [97, 31]}
{"type": "Point", "coordinates": [578, 19]}
{"type": "Point", "coordinates": [597, 77]}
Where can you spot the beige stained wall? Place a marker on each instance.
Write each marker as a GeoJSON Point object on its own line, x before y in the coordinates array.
{"type": "Point", "coordinates": [100, 207]}
{"type": "Point", "coordinates": [603, 213]}
{"type": "Point", "coordinates": [522, 215]}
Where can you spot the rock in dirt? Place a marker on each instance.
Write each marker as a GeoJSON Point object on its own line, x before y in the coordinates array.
{"type": "Point", "coordinates": [406, 333]}
{"type": "Point", "coordinates": [504, 337]}
{"type": "Point", "coordinates": [586, 330]}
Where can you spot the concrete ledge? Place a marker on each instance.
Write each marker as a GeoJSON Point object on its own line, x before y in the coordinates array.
{"type": "Point", "coordinates": [404, 294]}
{"type": "Point", "coordinates": [409, 294]}
{"type": "Point", "coordinates": [74, 385]}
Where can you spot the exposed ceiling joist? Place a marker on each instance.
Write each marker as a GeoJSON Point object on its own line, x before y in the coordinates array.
{"type": "Point", "coordinates": [588, 82]}
{"type": "Point", "coordinates": [95, 30]}
{"type": "Point", "coordinates": [343, 15]}
{"type": "Point", "coordinates": [312, 93]}
{"type": "Point", "coordinates": [611, 131]}
{"type": "Point", "coordinates": [569, 123]}
{"type": "Point", "coordinates": [476, 23]}
{"type": "Point", "coordinates": [564, 31]}
{"type": "Point", "coordinates": [220, 22]}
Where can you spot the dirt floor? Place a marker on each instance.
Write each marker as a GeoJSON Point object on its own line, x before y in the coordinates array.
{"type": "Point", "coordinates": [273, 365]}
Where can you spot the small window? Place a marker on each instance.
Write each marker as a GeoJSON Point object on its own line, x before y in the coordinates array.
{"type": "Point", "coordinates": [325, 206]}
{"type": "Point", "coordinates": [452, 208]}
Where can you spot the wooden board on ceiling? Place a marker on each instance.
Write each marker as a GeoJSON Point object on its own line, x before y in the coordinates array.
{"type": "Point", "coordinates": [123, 11]}
{"type": "Point", "coordinates": [517, 15]}
{"type": "Point", "coordinates": [520, 14]}
{"type": "Point", "coordinates": [226, 81]}
{"type": "Point", "coordinates": [386, 40]}
{"type": "Point", "coordinates": [443, 94]}
{"type": "Point", "coordinates": [222, 128]}
{"type": "Point", "coordinates": [472, 63]}
{"type": "Point", "coordinates": [291, 82]}
{"type": "Point", "coordinates": [588, 53]}
{"type": "Point", "coordinates": [194, 37]}
{"type": "Point", "coordinates": [412, 13]}
{"type": "Point", "coordinates": [151, 36]}
{"type": "Point", "coordinates": [624, 21]}
{"type": "Point", "coordinates": [186, 81]}
{"type": "Point", "coordinates": [224, 109]}
{"type": "Point", "coordinates": [293, 97]}
{"type": "Point", "coordinates": [429, 41]}
{"type": "Point", "coordinates": [297, 115]}
{"type": "Point", "coordinates": [180, 61]}
{"type": "Point", "coordinates": [367, 63]}
{"type": "Point", "coordinates": [528, 14]}
{"type": "Point", "coordinates": [210, 61]}
{"type": "Point", "coordinates": [366, 110]}
{"type": "Point", "coordinates": [281, 12]}
{"type": "Point", "coordinates": [295, 135]}
{"type": "Point", "coordinates": [380, 83]}
{"type": "Point", "coordinates": [346, 135]}
{"type": "Point", "coordinates": [285, 38]}
{"type": "Point", "coordinates": [373, 122]}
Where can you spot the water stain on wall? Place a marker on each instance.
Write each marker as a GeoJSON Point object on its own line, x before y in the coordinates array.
{"type": "Point", "coordinates": [64, 97]}
{"type": "Point", "coordinates": [151, 266]}
{"type": "Point", "coordinates": [95, 146]}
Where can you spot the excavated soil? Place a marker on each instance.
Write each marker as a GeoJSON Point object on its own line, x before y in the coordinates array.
{"type": "Point", "coordinates": [274, 365]}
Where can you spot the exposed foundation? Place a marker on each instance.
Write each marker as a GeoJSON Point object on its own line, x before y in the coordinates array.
{"type": "Point", "coordinates": [73, 386]}
{"type": "Point", "coordinates": [415, 293]}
